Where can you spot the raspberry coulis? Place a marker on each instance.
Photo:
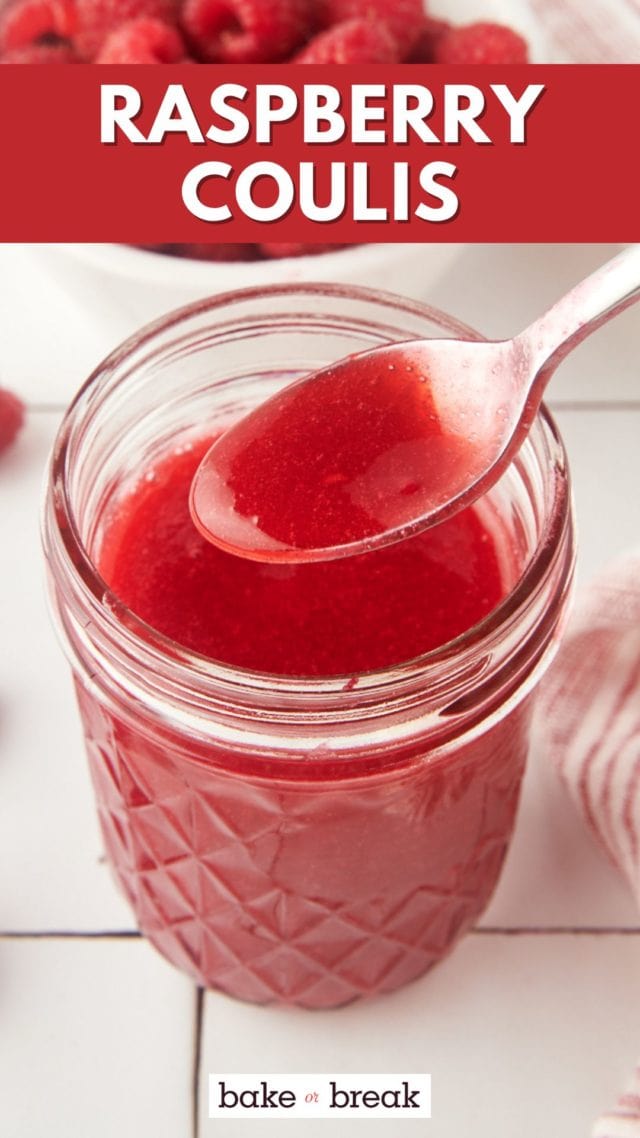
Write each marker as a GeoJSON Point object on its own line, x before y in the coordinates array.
{"type": "Point", "coordinates": [321, 619]}
{"type": "Point", "coordinates": [348, 456]}
{"type": "Point", "coordinates": [314, 876]}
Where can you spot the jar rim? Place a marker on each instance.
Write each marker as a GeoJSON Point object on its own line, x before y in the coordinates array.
{"type": "Point", "coordinates": [151, 642]}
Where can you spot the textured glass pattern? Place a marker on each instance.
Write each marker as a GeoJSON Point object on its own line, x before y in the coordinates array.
{"type": "Point", "coordinates": [309, 892]}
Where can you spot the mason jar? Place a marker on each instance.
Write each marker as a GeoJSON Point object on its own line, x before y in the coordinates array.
{"type": "Point", "coordinates": [295, 839]}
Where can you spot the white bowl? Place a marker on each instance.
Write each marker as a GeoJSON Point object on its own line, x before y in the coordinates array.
{"type": "Point", "coordinates": [145, 284]}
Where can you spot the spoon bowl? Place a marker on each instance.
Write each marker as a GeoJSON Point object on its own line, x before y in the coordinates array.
{"type": "Point", "coordinates": [389, 442]}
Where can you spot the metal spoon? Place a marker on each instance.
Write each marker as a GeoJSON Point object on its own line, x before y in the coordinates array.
{"type": "Point", "coordinates": [389, 442]}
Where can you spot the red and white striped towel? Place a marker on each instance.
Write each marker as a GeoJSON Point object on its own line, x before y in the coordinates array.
{"type": "Point", "coordinates": [590, 31]}
{"type": "Point", "coordinates": [623, 1121]}
{"type": "Point", "coordinates": [588, 723]}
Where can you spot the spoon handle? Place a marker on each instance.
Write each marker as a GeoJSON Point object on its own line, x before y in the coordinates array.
{"type": "Point", "coordinates": [606, 292]}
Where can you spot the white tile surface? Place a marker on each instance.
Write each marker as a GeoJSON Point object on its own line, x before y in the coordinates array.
{"type": "Point", "coordinates": [604, 453]}
{"type": "Point", "coordinates": [500, 289]}
{"type": "Point", "coordinates": [95, 1040]}
{"type": "Point", "coordinates": [52, 336]}
{"type": "Point", "coordinates": [51, 875]}
{"type": "Point", "coordinates": [554, 875]}
{"type": "Point", "coordinates": [525, 1036]}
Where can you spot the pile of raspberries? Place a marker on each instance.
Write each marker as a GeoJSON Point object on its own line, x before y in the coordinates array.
{"type": "Point", "coordinates": [246, 31]}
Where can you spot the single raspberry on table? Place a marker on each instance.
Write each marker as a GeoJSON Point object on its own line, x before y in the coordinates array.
{"type": "Point", "coordinates": [33, 21]}
{"type": "Point", "coordinates": [481, 43]}
{"type": "Point", "coordinates": [354, 41]}
{"type": "Point", "coordinates": [97, 19]}
{"type": "Point", "coordinates": [11, 417]}
{"type": "Point", "coordinates": [245, 31]}
{"type": "Point", "coordinates": [424, 48]}
{"type": "Point", "coordinates": [403, 18]}
{"type": "Point", "coordinates": [40, 53]}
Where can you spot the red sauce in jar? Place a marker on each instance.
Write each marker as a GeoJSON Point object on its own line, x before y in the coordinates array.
{"type": "Point", "coordinates": [316, 874]}
{"type": "Point", "coordinates": [322, 619]}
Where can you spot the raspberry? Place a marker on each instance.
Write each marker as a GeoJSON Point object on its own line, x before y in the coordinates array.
{"type": "Point", "coordinates": [142, 41]}
{"type": "Point", "coordinates": [354, 41]}
{"type": "Point", "coordinates": [424, 48]}
{"type": "Point", "coordinates": [481, 43]}
{"type": "Point", "coordinates": [40, 53]}
{"type": "Point", "coordinates": [97, 19]}
{"type": "Point", "coordinates": [403, 18]}
{"type": "Point", "coordinates": [31, 21]}
{"type": "Point", "coordinates": [245, 31]}
{"type": "Point", "coordinates": [11, 417]}
{"type": "Point", "coordinates": [211, 251]}
{"type": "Point", "coordinates": [277, 249]}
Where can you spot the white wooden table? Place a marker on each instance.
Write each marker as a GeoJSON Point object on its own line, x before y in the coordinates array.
{"type": "Point", "coordinates": [532, 1024]}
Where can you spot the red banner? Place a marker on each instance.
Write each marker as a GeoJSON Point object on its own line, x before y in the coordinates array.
{"type": "Point", "coordinates": [319, 154]}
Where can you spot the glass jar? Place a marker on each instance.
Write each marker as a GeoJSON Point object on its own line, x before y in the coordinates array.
{"type": "Point", "coordinates": [307, 841]}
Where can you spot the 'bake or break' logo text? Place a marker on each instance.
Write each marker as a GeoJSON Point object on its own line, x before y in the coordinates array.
{"type": "Point", "coordinates": [320, 1096]}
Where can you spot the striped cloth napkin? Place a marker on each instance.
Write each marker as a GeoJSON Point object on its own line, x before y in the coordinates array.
{"type": "Point", "coordinates": [589, 31]}
{"type": "Point", "coordinates": [588, 722]}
